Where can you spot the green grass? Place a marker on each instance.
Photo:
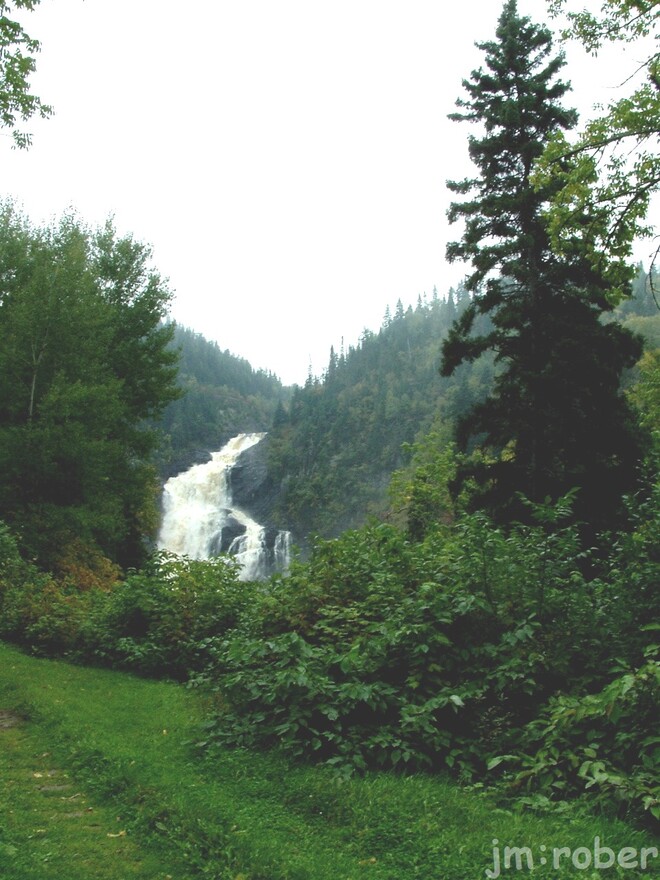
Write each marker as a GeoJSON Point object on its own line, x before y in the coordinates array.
{"type": "Point", "coordinates": [50, 828]}
{"type": "Point", "coordinates": [124, 744]}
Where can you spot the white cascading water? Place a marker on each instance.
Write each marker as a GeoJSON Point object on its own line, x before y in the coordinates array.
{"type": "Point", "coordinates": [199, 519]}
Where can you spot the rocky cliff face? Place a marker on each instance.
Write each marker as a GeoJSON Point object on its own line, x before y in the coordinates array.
{"type": "Point", "coordinates": [251, 488]}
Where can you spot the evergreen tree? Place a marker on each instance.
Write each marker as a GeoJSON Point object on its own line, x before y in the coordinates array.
{"type": "Point", "coordinates": [556, 419]}
{"type": "Point", "coordinates": [332, 363]}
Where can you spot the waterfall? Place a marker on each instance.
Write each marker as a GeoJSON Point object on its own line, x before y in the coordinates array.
{"type": "Point", "coordinates": [200, 519]}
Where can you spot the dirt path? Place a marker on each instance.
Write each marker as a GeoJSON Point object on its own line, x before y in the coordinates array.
{"type": "Point", "coordinates": [8, 719]}
{"type": "Point", "coordinates": [48, 826]}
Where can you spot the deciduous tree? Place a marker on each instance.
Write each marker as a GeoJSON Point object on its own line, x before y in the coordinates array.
{"type": "Point", "coordinates": [86, 365]}
{"type": "Point", "coordinates": [17, 63]}
{"type": "Point", "coordinates": [609, 174]}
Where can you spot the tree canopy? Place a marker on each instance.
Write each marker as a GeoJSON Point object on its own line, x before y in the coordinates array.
{"type": "Point", "coordinates": [610, 172]}
{"type": "Point", "coordinates": [87, 366]}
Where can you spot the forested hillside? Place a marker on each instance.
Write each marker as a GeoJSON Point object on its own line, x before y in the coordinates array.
{"type": "Point", "coordinates": [335, 449]}
{"type": "Point", "coordinates": [641, 311]}
{"type": "Point", "coordinates": [222, 396]}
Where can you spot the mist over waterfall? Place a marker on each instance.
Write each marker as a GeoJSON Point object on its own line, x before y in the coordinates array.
{"type": "Point", "coordinates": [201, 519]}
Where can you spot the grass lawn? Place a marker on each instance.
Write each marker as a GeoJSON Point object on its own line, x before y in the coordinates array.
{"type": "Point", "coordinates": [99, 780]}
{"type": "Point", "coordinates": [49, 828]}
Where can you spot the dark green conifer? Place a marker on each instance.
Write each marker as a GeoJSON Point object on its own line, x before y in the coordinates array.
{"type": "Point", "coordinates": [556, 419]}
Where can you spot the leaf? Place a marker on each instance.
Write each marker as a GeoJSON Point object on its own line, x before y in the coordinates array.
{"type": "Point", "coordinates": [495, 762]}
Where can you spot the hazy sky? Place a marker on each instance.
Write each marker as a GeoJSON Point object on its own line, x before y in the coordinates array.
{"type": "Point", "coordinates": [286, 159]}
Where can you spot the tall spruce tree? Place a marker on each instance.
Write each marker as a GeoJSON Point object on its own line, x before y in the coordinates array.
{"type": "Point", "coordinates": [556, 419]}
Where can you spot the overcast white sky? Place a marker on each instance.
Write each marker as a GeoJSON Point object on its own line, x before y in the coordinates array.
{"type": "Point", "coordinates": [286, 159]}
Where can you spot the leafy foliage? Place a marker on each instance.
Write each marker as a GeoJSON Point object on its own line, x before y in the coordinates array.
{"type": "Point", "coordinates": [88, 366]}
{"type": "Point", "coordinates": [604, 742]}
{"type": "Point", "coordinates": [17, 63]}
{"type": "Point", "coordinates": [382, 652]}
{"type": "Point", "coordinates": [610, 173]}
{"type": "Point", "coordinates": [157, 621]}
{"type": "Point", "coordinates": [420, 495]}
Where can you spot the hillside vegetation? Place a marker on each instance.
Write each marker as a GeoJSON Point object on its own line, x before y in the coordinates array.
{"type": "Point", "coordinates": [222, 395]}
{"type": "Point", "coordinates": [335, 448]}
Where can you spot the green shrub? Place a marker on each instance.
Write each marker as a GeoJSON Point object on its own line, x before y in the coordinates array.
{"type": "Point", "coordinates": [384, 652]}
{"type": "Point", "coordinates": [605, 742]}
{"type": "Point", "coordinates": [9, 555]}
{"type": "Point", "coordinates": [41, 614]}
{"type": "Point", "coordinates": [157, 621]}
{"type": "Point", "coordinates": [35, 610]}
